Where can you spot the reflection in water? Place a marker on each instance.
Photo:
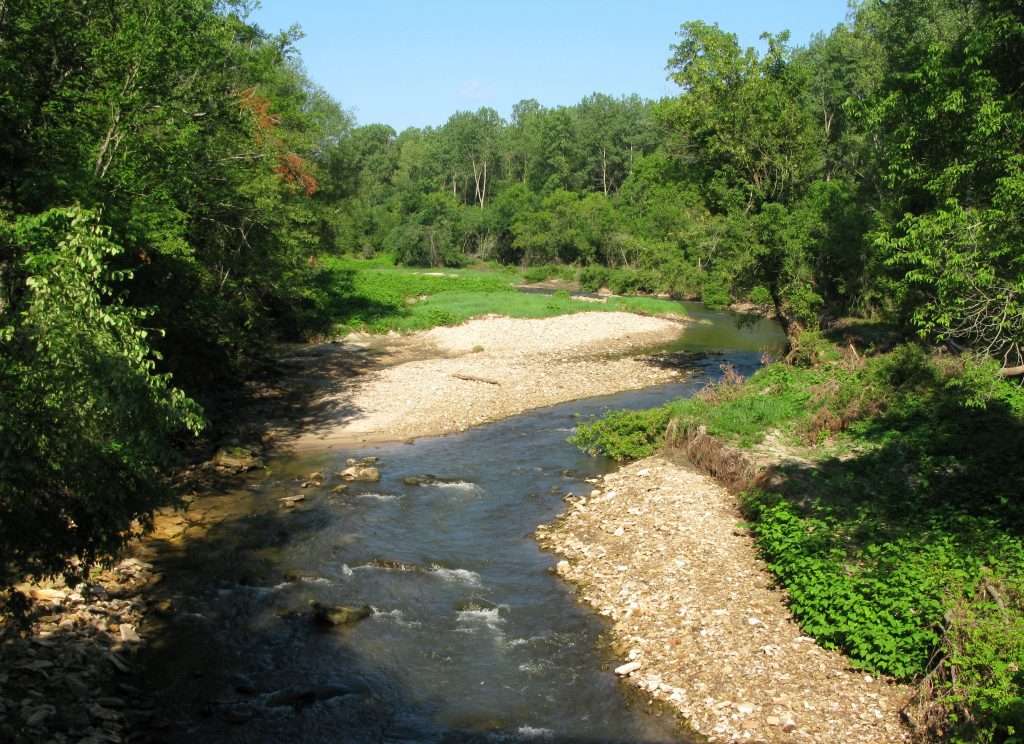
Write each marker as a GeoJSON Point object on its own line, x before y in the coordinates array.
{"type": "Point", "coordinates": [471, 638]}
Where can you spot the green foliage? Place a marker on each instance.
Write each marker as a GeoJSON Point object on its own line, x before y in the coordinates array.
{"type": "Point", "coordinates": [549, 271]}
{"type": "Point", "coordinates": [197, 149]}
{"type": "Point", "coordinates": [984, 643]}
{"type": "Point", "coordinates": [880, 600]}
{"type": "Point", "coordinates": [760, 296]}
{"type": "Point", "coordinates": [624, 435]}
{"type": "Point", "coordinates": [385, 299]}
{"type": "Point", "coordinates": [876, 171]}
{"type": "Point", "coordinates": [593, 278]}
{"type": "Point", "coordinates": [715, 293]}
{"type": "Point", "coordinates": [87, 418]}
{"type": "Point", "coordinates": [950, 120]}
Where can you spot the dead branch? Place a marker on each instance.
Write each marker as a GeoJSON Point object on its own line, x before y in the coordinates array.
{"type": "Point", "coordinates": [474, 378]}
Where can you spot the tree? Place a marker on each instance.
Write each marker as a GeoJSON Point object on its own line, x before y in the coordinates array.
{"type": "Point", "coordinates": [741, 126]}
{"type": "Point", "coordinates": [471, 139]}
{"type": "Point", "coordinates": [950, 116]}
{"type": "Point", "coordinates": [739, 117]}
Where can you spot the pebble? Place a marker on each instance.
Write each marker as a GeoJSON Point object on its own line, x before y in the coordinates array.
{"type": "Point", "coordinates": [627, 668]}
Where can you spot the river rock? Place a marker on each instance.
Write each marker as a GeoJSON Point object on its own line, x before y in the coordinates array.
{"type": "Point", "coordinates": [300, 697]}
{"type": "Point", "coordinates": [339, 614]}
{"type": "Point", "coordinates": [237, 459]}
{"type": "Point", "coordinates": [361, 473]}
{"type": "Point", "coordinates": [391, 565]}
{"type": "Point", "coordinates": [164, 608]}
{"type": "Point", "coordinates": [475, 605]}
{"type": "Point", "coordinates": [362, 461]}
{"type": "Point", "coordinates": [289, 502]}
{"type": "Point", "coordinates": [295, 698]}
{"type": "Point", "coordinates": [627, 669]}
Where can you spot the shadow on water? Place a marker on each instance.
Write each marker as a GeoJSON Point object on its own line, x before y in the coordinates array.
{"type": "Point", "coordinates": [471, 637]}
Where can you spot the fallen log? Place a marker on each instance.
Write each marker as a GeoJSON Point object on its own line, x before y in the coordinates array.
{"type": "Point", "coordinates": [474, 378]}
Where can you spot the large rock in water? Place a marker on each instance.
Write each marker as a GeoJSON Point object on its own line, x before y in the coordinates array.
{"type": "Point", "coordinates": [338, 614]}
{"type": "Point", "coordinates": [238, 459]}
{"type": "Point", "coordinates": [361, 472]}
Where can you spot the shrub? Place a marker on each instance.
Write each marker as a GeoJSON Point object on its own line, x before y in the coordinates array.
{"type": "Point", "coordinates": [760, 296]}
{"type": "Point", "coordinates": [592, 278]}
{"type": "Point", "coordinates": [715, 293]}
{"type": "Point", "coordinates": [629, 281]}
{"type": "Point", "coordinates": [87, 419]}
{"type": "Point", "coordinates": [982, 663]}
{"type": "Point", "coordinates": [549, 271]}
{"type": "Point", "coordinates": [536, 273]}
{"type": "Point", "coordinates": [624, 435]}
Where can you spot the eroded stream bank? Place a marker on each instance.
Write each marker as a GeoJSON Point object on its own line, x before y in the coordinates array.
{"type": "Point", "coordinates": [471, 637]}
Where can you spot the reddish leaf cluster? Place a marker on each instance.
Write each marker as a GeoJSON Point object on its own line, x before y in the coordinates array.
{"type": "Point", "coordinates": [291, 167]}
{"type": "Point", "coordinates": [294, 169]}
{"type": "Point", "coordinates": [259, 107]}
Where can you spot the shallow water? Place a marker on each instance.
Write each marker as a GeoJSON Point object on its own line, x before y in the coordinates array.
{"type": "Point", "coordinates": [471, 638]}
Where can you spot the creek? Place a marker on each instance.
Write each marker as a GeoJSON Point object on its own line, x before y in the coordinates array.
{"type": "Point", "coordinates": [471, 637]}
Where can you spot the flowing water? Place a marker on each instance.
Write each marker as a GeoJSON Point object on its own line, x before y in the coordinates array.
{"type": "Point", "coordinates": [471, 638]}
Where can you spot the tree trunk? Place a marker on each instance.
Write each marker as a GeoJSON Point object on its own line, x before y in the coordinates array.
{"type": "Point", "coordinates": [604, 170]}
{"type": "Point", "coordinates": [483, 190]}
{"type": "Point", "coordinates": [477, 173]}
{"type": "Point", "coordinates": [433, 250]}
{"type": "Point", "coordinates": [790, 326]}
{"type": "Point", "coordinates": [113, 137]}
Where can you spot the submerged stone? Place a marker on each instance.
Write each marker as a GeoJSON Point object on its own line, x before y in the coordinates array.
{"type": "Point", "coordinates": [239, 459]}
{"type": "Point", "coordinates": [338, 614]}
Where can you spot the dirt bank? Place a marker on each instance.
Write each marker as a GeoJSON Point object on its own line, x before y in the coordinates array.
{"type": "Point", "coordinates": [449, 379]}
{"type": "Point", "coordinates": [659, 549]}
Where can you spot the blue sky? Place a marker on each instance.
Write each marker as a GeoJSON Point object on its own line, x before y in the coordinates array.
{"type": "Point", "coordinates": [408, 63]}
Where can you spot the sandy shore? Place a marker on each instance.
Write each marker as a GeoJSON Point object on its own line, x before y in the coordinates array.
{"type": "Point", "coordinates": [658, 548]}
{"type": "Point", "coordinates": [449, 379]}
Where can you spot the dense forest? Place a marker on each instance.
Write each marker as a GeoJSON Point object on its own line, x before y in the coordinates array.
{"type": "Point", "coordinates": [173, 181]}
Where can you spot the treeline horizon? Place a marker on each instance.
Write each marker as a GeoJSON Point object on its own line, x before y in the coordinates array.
{"type": "Point", "coordinates": [849, 176]}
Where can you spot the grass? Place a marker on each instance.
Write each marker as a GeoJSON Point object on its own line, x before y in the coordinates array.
{"type": "Point", "coordinates": [376, 297]}
{"type": "Point", "coordinates": [903, 545]}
